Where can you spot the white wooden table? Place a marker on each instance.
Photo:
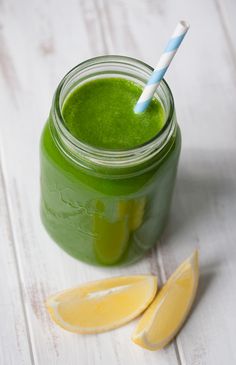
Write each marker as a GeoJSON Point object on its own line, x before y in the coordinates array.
{"type": "Point", "coordinates": [40, 41]}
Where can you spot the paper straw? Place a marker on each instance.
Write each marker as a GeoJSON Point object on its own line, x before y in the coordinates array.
{"type": "Point", "coordinates": [162, 66]}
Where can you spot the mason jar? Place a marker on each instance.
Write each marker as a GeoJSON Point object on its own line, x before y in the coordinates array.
{"type": "Point", "coordinates": [107, 207]}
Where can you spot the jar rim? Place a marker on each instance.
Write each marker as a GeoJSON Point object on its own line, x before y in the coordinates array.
{"type": "Point", "coordinates": [106, 156]}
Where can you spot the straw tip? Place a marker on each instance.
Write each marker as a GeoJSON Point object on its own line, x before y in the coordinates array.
{"type": "Point", "coordinates": [185, 25]}
{"type": "Point", "coordinates": [138, 109]}
{"type": "Point", "coordinates": [141, 106]}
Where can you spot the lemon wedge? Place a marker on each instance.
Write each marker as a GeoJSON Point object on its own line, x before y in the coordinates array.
{"type": "Point", "coordinates": [102, 305]}
{"type": "Point", "coordinates": [164, 317]}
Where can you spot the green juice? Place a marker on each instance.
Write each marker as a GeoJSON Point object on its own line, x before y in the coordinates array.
{"type": "Point", "coordinates": [107, 215]}
{"type": "Point", "coordinates": [100, 113]}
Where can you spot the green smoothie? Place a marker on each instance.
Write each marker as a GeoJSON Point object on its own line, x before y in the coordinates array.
{"type": "Point", "coordinates": [101, 114]}
{"type": "Point", "coordinates": [106, 214]}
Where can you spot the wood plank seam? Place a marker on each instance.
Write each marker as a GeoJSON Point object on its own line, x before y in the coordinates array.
{"type": "Point", "coordinates": [163, 277]}
{"type": "Point", "coordinates": [87, 24]}
{"type": "Point", "coordinates": [102, 29]}
{"type": "Point", "coordinates": [17, 266]}
{"type": "Point", "coordinates": [226, 32]}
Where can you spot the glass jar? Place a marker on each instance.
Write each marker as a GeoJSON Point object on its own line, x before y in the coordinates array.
{"type": "Point", "coordinates": [107, 207]}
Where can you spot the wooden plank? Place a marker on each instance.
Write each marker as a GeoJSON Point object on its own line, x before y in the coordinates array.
{"type": "Point", "coordinates": [14, 335]}
{"type": "Point", "coordinates": [46, 269]}
{"type": "Point", "coordinates": [227, 10]}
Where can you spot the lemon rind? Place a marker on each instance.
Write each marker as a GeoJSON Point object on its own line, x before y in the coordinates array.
{"type": "Point", "coordinates": [141, 338]}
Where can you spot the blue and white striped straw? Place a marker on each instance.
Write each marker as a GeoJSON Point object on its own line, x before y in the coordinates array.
{"type": "Point", "coordinates": [162, 67]}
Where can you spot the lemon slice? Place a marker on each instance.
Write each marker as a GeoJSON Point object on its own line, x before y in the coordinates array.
{"type": "Point", "coordinates": [102, 305]}
{"type": "Point", "coordinates": [164, 317]}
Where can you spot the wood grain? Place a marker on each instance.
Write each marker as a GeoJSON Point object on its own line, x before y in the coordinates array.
{"type": "Point", "coordinates": [15, 339]}
{"type": "Point", "coordinates": [226, 10]}
{"type": "Point", "coordinates": [40, 41]}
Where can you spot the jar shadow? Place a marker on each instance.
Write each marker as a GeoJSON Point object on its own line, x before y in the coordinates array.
{"type": "Point", "coordinates": [207, 276]}
{"type": "Point", "coordinates": [202, 210]}
{"type": "Point", "coordinates": [205, 191]}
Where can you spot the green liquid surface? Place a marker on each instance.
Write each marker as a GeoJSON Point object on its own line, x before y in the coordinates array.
{"type": "Point", "coordinates": [101, 114]}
